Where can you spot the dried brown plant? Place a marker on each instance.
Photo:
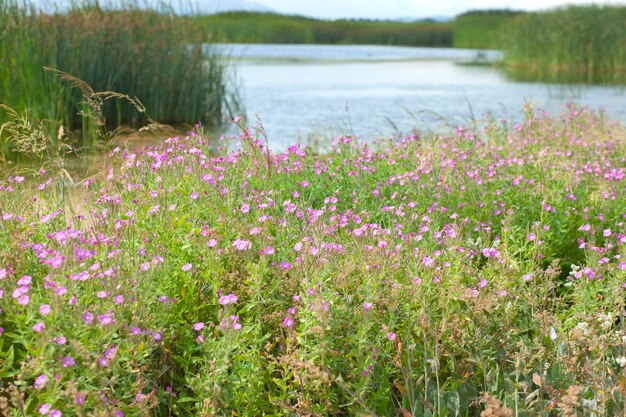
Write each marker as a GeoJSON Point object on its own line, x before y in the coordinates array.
{"type": "Point", "coordinates": [494, 407]}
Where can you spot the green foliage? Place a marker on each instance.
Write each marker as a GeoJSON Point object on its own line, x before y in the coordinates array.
{"type": "Point", "coordinates": [483, 29]}
{"type": "Point", "coordinates": [145, 54]}
{"type": "Point", "coordinates": [585, 43]}
{"type": "Point", "coordinates": [251, 27]}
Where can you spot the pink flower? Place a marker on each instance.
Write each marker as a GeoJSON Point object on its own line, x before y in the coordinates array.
{"type": "Point", "coordinates": [391, 336]}
{"type": "Point", "coordinates": [241, 244]}
{"type": "Point", "coordinates": [288, 322]}
{"type": "Point", "coordinates": [25, 280]}
{"type": "Point", "coordinates": [56, 413]}
{"type": "Point", "coordinates": [367, 307]}
{"type": "Point", "coordinates": [211, 243]}
{"type": "Point", "coordinates": [245, 208]}
{"type": "Point", "coordinates": [187, 267]}
{"type": "Point", "coordinates": [39, 327]}
{"type": "Point", "coordinates": [606, 232]}
{"type": "Point", "coordinates": [44, 409]}
{"type": "Point", "coordinates": [532, 236]}
{"type": "Point", "coordinates": [88, 317]}
{"type": "Point", "coordinates": [68, 361]}
{"type": "Point", "coordinates": [228, 299]}
{"type": "Point", "coordinates": [19, 291]}
{"type": "Point", "coordinates": [491, 253]}
{"type": "Point", "coordinates": [198, 326]}
{"type": "Point", "coordinates": [194, 195]}
{"type": "Point", "coordinates": [235, 322]}
{"type": "Point", "coordinates": [44, 309]}
{"type": "Point", "coordinates": [41, 381]}
{"type": "Point", "coordinates": [105, 319]}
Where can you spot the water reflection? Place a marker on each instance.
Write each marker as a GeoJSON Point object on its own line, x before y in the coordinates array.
{"type": "Point", "coordinates": [599, 77]}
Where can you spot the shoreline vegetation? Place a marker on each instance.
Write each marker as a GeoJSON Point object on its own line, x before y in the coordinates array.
{"type": "Point", "coordinates": [143, 65]}
{"type": "Point", "coordinates": [586, 42]}
{"type": "Point", "coordinates": [579, 44]}
{"type": "Point", "coordinates": [256, 27]}
{"type": "Point", "coordinates": [107, 69]}
{"type": "Point", "coordinates": [477, 272]}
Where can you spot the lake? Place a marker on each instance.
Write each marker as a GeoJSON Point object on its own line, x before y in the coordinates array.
{"type": "Point", "coordinates": [304, 92]}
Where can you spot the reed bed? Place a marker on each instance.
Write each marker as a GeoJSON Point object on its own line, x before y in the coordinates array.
{"type": "Point", "coordinates": [147, 54]}
{"type": "Point", "coordinates": [252, 27]}
{"type": "Point", "coordinates": [482, 29]}
{"type": "Point", "coordinates": [585, 40]}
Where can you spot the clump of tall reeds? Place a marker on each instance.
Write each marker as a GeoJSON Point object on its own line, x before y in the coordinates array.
{"type": "Point", "coordinates": [482, 28]}
{"type": "Point", "coordinates": [584, 40]}
{"type": "Point", "coordinates": [143, 53]}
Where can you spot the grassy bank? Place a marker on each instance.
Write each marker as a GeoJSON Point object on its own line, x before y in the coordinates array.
{"type": "Point", "coordinates": [585, 40]}
{"type": "Point", "coordinates": [252, 27]}
{"type": "Point", "coordinates": [443, 276]}
{"type": "Point", "coordinates": [140, 53]}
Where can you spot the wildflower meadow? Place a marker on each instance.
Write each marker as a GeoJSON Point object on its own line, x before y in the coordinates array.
{"type": "Point", "coordinates": [476, 272]}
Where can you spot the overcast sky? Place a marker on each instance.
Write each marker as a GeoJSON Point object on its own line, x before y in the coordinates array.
{"type": "Point", "coordinates": [381, 9]}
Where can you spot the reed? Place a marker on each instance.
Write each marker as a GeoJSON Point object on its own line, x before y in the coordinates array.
{"type": "Point", "coordinates": [482, 29]}
{"type": "Point", "coordinates": [142, 53]}
{"type": "Point", "coordinates": [586, 40]}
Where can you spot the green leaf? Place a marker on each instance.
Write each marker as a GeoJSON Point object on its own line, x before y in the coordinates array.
{"type": "Point", "coordinates": [453, 402]}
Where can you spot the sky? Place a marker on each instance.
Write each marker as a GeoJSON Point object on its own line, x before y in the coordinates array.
{"type": "Point", "coordinates": [384, 9]}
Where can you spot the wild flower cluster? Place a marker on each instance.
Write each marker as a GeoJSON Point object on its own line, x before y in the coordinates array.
{"type": "Point", "coordinates": [477, 273]}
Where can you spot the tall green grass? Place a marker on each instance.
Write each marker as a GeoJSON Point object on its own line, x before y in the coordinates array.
{"type": "Point", "coordinates": [23, 52]}
{"type": "Point", "coordinates": [589, 41]}
{"type": "Point", "coordinates": [148, 54]}
{"type": "Point", "coordinates": [482, 28]}
{"type": "Point", "coordinates": [252, 27]}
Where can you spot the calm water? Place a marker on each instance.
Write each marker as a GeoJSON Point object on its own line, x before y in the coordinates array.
{"type": "Point", "coordinates": [301, 92]}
